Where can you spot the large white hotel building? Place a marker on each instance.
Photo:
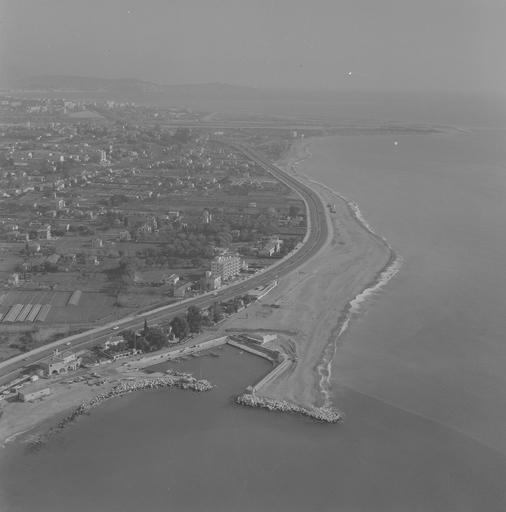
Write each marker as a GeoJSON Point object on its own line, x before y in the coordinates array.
{"type": "Point", "coordinates": [226, 266]}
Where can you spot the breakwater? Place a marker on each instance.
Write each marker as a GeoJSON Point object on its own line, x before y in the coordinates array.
{"type": "Point", "coordinates": [325, 415]}
{"type": "Point", "coordinates": [37, 441]}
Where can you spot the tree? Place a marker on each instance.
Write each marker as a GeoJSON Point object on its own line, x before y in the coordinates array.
{"type": "Point", "coordinates": [198, 262]}
{"type": "Point", "coordinates": [128, 266]}
{"type": "Point", "coordinates": [216, 312]}
{"type": "Point", "coordinates": [194, 319]}
{"type": "Point", "coordinates": [51, 267]}
{"type": "Point", "coordinates": [180, 327]}
{"type": "Point", "coordinates": [156, 338]}
{"type": "Point", "coordinates": [122, 285]}
{"type": "Point", "coordinates": [182, 135]}
{"type": "Point", "coordinates": [143, 345]}
{"type": "Point", "coordinates": [130, 337]}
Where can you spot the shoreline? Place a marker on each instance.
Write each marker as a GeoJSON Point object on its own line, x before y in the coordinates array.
{"type": "Point", "coordinates": [309, 378]}
{"type": "Point", "coordinates": [391, 268]}
{"type": "Point", "coordinates": [37, 441]}
{"type": "Point", "coordinates": [321, 354]}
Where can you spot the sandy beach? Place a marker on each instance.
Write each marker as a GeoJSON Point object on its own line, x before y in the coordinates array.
{"type": "Point", "coordinates": [311, 307]}
{"type": "Point", "coordinates": [315, 300]}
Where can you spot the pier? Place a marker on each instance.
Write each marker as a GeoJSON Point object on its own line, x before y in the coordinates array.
{"type": "Point", "coordinates": [282, 362]}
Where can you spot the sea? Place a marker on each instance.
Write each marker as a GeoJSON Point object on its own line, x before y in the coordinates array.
{"type": "Point", "coordinates": [420, 372]}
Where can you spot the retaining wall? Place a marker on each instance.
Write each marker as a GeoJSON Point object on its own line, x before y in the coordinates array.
{"type": "Point", "coordinates": [173, 354]}
{"type": "Point", "coordinates": [247, 348]}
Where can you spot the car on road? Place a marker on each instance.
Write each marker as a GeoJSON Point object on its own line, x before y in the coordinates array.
{"type": "Point", "coordinates": [115, 328]}
{"type": "Point", "coordinates": [68, 343]}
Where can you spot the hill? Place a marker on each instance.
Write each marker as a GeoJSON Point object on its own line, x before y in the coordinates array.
{"type": "Point", "coordinates": [68, 83]}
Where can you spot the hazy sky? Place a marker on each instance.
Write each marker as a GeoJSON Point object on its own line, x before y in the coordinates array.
{"type": "Point", "coordinates": [388, 44]}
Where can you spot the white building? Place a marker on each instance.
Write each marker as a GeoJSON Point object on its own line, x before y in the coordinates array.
{"type": "Point", "coordinates": [206, 217]}
{"type": "Point", "coordinates": [226, 266]}
{"type": "Point", "coordinates": [33, 392]}
{"type": "Point", "coordinates": [144, 229]}
{"type": "Point", "coordinates": [44, 233]}
{"type": "Point", "coordinates": [170, 279]}
{"type": "Point", "coordinates": [59, 362]}
{"type": "Point", "coordinates": [57, 203]}
{"type": "Point", "coordinates": [261, 337]}
{"type": "Point", "coordinates": [212, 282]}
{"type": "Point", "coordinates": [183, 290]}
{"type": "Point", "coordinates": [91, 261]}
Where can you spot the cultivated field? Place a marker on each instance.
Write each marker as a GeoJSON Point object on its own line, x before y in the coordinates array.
{"type": "Point", "coordinates": [91, 307]}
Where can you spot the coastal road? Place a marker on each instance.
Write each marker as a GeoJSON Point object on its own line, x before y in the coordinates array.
{"type": "Point", "coordinates": [319, 230]}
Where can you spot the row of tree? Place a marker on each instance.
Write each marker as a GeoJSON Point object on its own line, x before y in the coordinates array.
{"type": "Point", "coordinates": [153, 338]}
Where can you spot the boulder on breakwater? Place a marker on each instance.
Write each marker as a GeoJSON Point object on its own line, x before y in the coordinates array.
{"type": "Point", "coordinates": [326, 415]}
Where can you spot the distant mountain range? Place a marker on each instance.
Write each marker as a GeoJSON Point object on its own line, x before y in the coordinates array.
{"type": "Point", "coordinates": [68, 83]}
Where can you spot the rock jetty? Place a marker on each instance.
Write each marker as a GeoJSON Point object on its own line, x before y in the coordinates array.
{"type": "Point", "coordinates": [184, 382]}
{"type": "Point", "coordinates": [326, 415]}
{"type": "Point", "coordinates": [177, 373]}
{"type": "Point", "coordinates": [36, 441]}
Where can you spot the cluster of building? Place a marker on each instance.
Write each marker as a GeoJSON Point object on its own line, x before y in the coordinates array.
{"type": "Point", "coordinates": [31, 388]}
{"type": "Point", "coordinates": [223, 269]}
{"type": "Point", "coordinates": [16, 106]}
{"type": "Point", "coordinates": [177, 286]}
{"type": "Point", "coordinates": [101, 181]}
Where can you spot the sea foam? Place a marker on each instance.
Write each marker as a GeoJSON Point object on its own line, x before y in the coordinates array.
{"type": "Point", "coordinates": [355, 305]}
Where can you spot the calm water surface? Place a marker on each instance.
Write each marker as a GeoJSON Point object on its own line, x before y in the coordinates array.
{"type": "Point", "coordinates": [173, 450]}
{"type": "Point", "coordinates": [434, 342]}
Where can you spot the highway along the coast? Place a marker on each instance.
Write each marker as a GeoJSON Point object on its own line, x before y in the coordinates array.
{"type": "Point", "coordinates": [318, 233]}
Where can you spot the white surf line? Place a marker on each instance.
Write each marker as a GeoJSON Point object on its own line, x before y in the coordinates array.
{"type": "Point", "coordinates": [13, 436]}
{"type": "Point", "coordinates": [325, 368]}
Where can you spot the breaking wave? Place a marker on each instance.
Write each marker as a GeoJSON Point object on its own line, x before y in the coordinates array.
{"type": "Point", "coordinates": [353, 308]}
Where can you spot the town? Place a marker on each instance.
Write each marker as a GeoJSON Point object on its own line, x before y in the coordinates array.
{"type": "Point", "coordinates": [113, 209]}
